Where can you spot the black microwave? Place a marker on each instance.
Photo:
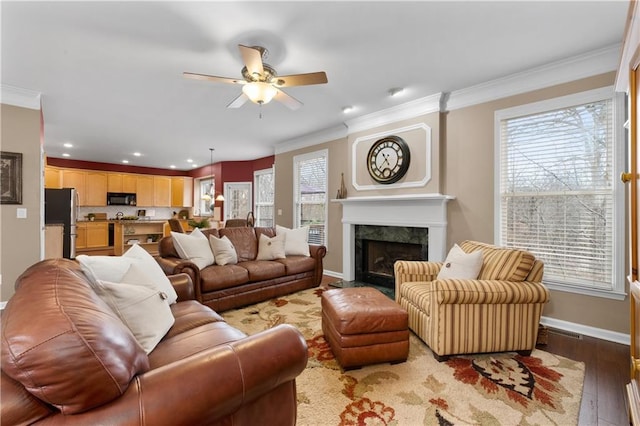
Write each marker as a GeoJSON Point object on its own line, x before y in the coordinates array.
{"type": "Point", "coordinates": [121, 199]}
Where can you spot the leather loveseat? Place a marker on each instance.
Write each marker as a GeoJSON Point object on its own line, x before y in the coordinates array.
{"type": "Point", "coordinates": [224, 287]}
{"type": "Point", "coordinates": [67, 358]}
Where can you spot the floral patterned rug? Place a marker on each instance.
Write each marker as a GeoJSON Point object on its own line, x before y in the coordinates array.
{"type": "Point", "coordinates": [492, 389]}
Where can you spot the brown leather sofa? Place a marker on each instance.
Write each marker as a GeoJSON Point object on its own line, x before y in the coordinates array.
{"type": "Point", "coordinates": [249, 281]}
{"type": "Point", "coordinates": [67, 358]}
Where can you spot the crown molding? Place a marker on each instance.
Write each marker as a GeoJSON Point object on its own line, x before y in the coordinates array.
{"type": "Point", "coordinates": [311, 139]}
{"type": "Point", "coordinates": [589, 64]}
{"type": "Point", "coordinates": [404, 111]}
{"type": "Point", "coordinates": [20, 97]}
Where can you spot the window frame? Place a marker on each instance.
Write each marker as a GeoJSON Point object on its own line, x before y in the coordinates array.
{"type": "Point", "coordinates": [198, 194]}
{"type": "Point", "coordinates": [296, 210]}
{"type": "Point", "coordinates": [256, 190]}
{"type": "Point", "coordinates": [617, 290]}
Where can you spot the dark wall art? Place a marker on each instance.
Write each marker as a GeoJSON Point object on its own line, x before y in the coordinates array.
{"type": "Point", "coordinates": [10, 177]}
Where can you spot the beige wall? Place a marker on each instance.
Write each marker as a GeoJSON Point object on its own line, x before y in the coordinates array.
{"type": "Point", "coordinates": [463, 166]}
{"type": "Point", "coordinates": [20, 239]}
{"type": "Point", "coordinates": [468, 166]}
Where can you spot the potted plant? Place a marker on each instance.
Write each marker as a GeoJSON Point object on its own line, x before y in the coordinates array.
{"type": "Point", "coordinates": [204, 223]}
{"type": "Point", "coordinates": [91, 217]}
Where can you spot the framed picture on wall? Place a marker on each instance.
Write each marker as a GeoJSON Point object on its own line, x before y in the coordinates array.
{"type": "Point", "coordinates": [10, 177]}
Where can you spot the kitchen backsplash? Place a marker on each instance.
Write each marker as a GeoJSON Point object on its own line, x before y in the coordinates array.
{"type": "Point", "coordinates": [155, 213]}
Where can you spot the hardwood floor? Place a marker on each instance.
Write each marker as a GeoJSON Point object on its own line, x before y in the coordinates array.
{"type": "Point", "coordinates": [606, 374]}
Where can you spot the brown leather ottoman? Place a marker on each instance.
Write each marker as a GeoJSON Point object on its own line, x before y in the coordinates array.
{"type": "Point", "coordinates": [363, 326]}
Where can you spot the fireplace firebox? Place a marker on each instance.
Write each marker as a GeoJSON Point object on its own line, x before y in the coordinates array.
{"type": "Point", "coordinates": [378, 247]}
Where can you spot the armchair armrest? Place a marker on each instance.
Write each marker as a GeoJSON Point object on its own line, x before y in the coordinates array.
{"type": "Point", "coordinates": [183, 286]}
{"type": "Point", "coordinates": [455, 291]}
{"type": "Point", "coordinates": [209, 385]}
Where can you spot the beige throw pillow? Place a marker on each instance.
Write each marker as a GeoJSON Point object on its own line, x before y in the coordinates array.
{"type": "Point", "coordinates": [271, 248]}
{"type": "Point", "coordinates": [114, 268]}
{"type": "Point", "coordinates": [296, 240]}
{"type": "Point", "coordinates": [223, 250]}
{"type": "Point", "coordinates": [461, 265]}
{"type": "Point", "coordinates": [193, 247]}
{"type": "Point", "coordinates": [141, 307]}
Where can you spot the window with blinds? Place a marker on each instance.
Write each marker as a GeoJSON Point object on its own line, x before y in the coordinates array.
{"type": "Point", "coordinates": [310, 194]}
{"type": "Point", "coordinates": [556, 194]}
{"type": "Point", "coordinates": [263, 196]}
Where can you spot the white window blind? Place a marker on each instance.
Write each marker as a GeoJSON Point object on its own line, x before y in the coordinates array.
{"type": "Point", "coordinates": [556, 191]}
{"type": "Point", "coordinates": [310, 194]}
{"type": "Point", "coordinates": [263, 197]}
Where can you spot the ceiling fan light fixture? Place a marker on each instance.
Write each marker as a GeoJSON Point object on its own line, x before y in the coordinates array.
{"type": "Point", "coordinates": [259, 92]}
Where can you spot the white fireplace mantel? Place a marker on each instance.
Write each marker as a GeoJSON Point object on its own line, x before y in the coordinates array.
{"type": "Point", "coordinates": [415, 210]}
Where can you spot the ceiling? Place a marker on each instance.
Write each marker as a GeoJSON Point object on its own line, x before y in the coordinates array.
{"type": "Point", "coordinates": [110, 73]}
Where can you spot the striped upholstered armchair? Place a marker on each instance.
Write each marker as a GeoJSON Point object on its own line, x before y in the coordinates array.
{"type": "Point", "coordinates": [497, 312]}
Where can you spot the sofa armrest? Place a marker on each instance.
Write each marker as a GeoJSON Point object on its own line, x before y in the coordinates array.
{"type": "Point", "coordinates": [456, 291]}
{"type": "Point", "coordinates": [183, 286]}
{"type": "Point", "coordinates": [207, 386]}
{"type": "Point", "coordinates": [176, 265]}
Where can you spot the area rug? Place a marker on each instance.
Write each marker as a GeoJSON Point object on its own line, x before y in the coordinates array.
{"type": "Point", "coordinates": [492, 389]}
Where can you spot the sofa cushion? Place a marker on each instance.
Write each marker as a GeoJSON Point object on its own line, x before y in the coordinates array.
{"type": "Point", "coordinates": [501, 263]}
{"type": "Point", "coordinates": [113, 268]}
{"type": "Point", "coordinates": [460, 264]}
{"type": "Point", "coordinates": [190, 314]}
{"type": "Point", "coordinates": [298, 264]}
{"type": "Point", "coordinates": [244, 240]}
{"type": "Point", "coordinates": [270, 248]}
{"type": "Point", "coordinates": [261, 270]}
{"type": "Point", "coordinates": [296, 240]}
{"type": "Point", "coordinates": [216, 277]}
{"type": "Point", "coordinates": [223, 251]}
{"type": "Point", "coordinates": [194, 247]}
{"type": "Point", "coordinates": [64, 333]}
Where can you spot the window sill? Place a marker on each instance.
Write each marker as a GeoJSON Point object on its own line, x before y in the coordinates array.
{"type": "Point", "coordinates": [567, 288]}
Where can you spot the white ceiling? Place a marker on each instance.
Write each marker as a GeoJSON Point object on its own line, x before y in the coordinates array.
{"type": "Point", "coordinates": [110, 73]}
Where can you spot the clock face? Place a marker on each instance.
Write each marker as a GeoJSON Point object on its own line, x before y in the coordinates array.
{"type": "Point", "coordinates": [388, 159]}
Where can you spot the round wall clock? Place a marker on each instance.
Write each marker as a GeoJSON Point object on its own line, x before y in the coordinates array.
{"type": "Point", "coordinates": [388, 159]}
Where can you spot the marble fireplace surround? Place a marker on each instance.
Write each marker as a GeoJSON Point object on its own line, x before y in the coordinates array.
{"type": "Point", "coordinates": [418, 211]}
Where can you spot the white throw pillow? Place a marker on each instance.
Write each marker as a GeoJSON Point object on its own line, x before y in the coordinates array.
{"type": "Point", "coordinates": [223, 250]}
{"type": "Point", "coordinates": [113, 268]}
{"type": "Point", "coordinates": [461, 265]}
{"type": "Point", "coordinates": [193, 247]}
{"type": "Point", "coordinates": [142, 308]}
{"type": "Point", "coordinates": [271, 248]}
{"type": "Point", "coordinates": [296, 241]}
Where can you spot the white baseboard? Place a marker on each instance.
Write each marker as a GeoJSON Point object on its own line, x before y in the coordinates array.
{"type": "Point", "coordinates": [599, 333]}
{"type": "Point", "coordinates": [332, 273]}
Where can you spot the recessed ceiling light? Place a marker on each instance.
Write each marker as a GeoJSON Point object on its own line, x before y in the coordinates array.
{"type": "Point", "coordinates": [68, 145]}
{"type": "Point", "coordinates": [347, 109]}
{"type": "Point", "coordinates": [137, 154]}
{"type": "Point", "coordinates": [396, 91]}
{"type": "Point", "coordinates": [189, 160]}
{"type": "Point", "coordinates": [125, 161]}
{"type": "Point", "coordinates": [194, 165]}
{"type": "Point", "coordinates": [172, 166]}
{"type": "Point", "coordinates": [66, 155]}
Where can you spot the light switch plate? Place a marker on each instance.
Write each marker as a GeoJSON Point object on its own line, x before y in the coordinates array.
{"type": "Point", "coordinates": [21, 213]}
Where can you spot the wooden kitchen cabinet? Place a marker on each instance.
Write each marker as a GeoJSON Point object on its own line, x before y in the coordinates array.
{"type": "Point", "coordinates": [52, 177]}
{"type": "Point", "coordinates": [97, 234]}
{"type": "Point", "coordinates": [162, 191]}
{"type": "Point", "coordinates": [181, 192]}
{"type": "Point", "coordinates": [143, 232]}
{"type": "Point", "coordinates": [114, 182]}
{"type": "Point", "coordinates": [144, 191]}
{"type": "Point", "coordinates": [96, 189]}
{"type": "Point", "coordinates": [81, 236]}
{"type": "Point", "coordinates": [72, 178]}
{"type": "Point", "coordinates": [129, 183]}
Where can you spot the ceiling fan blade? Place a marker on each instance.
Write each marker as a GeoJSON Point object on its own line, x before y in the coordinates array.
{"type": "Point", "coordinates": [288, 100]}
{"type": "Point", "coordinates": [252, 59]}
{"type": "Point", "coordinates": [239, 101]}
{"type": "Point", "coordinates": [213, 78]}
{"type": "Point", "coordinates": [301, 79]}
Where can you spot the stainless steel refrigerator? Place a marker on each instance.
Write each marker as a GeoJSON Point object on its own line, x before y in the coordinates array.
{"type": "Point", "coordinates": [61, 207]}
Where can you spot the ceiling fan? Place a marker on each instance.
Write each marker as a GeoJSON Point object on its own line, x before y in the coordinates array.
{"type": "Point", "coordinates": [261, 83]}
